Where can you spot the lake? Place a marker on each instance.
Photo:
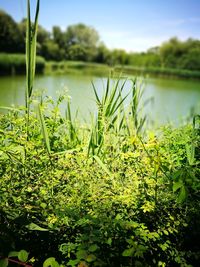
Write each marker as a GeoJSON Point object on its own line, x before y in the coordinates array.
{"type": "Point", "coordinates": [172, 100]}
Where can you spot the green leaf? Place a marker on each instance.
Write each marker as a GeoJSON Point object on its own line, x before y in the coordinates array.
{"type": "Point", "coordinates": [35, 227]}
{"type": "Point", "coordinates": [190, 150]}
{"type": "Point", "coordinates": [182, 195]}
{"type": "Point", "coordinates": [102, 165]}
{"type": "Point", "coordinates": [9, 108]}
{"type": "Point", "coordinates": [43, 205]}
{"type": "Point", "coordinates": [31, 40]}
{"type": "Point", "coordinates": [90, 258]}
{"type": "Point", "coordinates": [73, 262]}
{"type": "Point", "coordinates": [109, 241]}
{"type": "Point", "coordinates": [44, 129]}
{"type": "Point", "coordinates": [81, 254]}
{"type": "Point", "coordinates": [4, 263]}
{"type": "Point", "coordinates": [51, 262]}
{"type": "Point", "coordinates": [13, 254]}
{"type": "Point", "coordinates": [128, 252]}
{"type": "Point", "coordinates": [23, 255]}
{"type": "Point", "coordinates": [177, 185]}
{"type": "Point", "coordinates": [93, 248]}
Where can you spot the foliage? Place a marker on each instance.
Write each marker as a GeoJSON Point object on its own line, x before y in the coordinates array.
{"type": "Point", "coordinates": [10, 35]}
{"type": "Point", "coordinates": [120, 209]}
{"type": "Point", "coordinates": [183, 55]}
{"type": "Point", "coordinates": [16, 64]}
{"type": "Point", "coordinates": [82, 35]}
{"type": "Point", "coordinates": [51, 51]}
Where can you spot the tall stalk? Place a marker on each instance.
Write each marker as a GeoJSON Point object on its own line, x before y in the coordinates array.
{"type": "Point", "coordinates": [31, 41]}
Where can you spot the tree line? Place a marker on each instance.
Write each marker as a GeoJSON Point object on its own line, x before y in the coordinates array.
{"type": "Point", "coordinates": [80, 42]}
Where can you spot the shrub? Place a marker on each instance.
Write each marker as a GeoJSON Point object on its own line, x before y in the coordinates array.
{"type": "Point", "coordinates": [16, 64]}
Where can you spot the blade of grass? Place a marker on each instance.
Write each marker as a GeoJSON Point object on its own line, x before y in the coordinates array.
{"type": "Point", "coordinates": [44, 129]}
{"type": "Point", "coordinates": [102, 165]}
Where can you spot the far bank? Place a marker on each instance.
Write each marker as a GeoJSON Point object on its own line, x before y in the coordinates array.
{"type": "Point", "coordinates": [12, 64]}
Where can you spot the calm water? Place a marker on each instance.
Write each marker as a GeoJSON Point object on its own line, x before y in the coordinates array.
{"type": "Point", "coordinates": [172, 101]}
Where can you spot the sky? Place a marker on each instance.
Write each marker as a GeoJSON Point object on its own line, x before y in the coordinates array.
{"type": "Point", "coordinates": [133, 25]}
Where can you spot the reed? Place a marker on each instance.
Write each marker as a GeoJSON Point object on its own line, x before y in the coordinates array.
{"type": "Point", "coordinates": [31, 41]}
{"type": "Point", "coordinates": [113, 116]}
{"type": "Point", "coordinates": [108, 107]}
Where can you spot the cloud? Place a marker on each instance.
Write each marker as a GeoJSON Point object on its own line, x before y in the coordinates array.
{"type": "Point", "coordinates": [128, 41]}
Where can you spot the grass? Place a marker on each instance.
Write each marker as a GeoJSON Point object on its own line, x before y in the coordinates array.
{"type": "Point", "coordinates": [11, 64]}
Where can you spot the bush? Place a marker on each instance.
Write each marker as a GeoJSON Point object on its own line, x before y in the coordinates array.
{"type": "Point", "coordinates": [136, 204]}
{"type": "Point", "coordinates": [16, 64]}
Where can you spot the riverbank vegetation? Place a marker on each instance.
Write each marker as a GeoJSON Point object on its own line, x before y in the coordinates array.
{"type": "Point", "coordinates": [80, 42]}
{"type": "Point", "coordinates": [104, 194]}
{"type": "Point", "coordinates": [11, 64]}
{"type": "Point", "coordinates": [99, 69]}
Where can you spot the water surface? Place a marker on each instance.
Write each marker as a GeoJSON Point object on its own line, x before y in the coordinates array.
{"type": "Point", "coordinates": [173, 100]}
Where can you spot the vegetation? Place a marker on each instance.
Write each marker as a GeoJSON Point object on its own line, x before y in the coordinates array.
{"type": "Point", "coordinates": [80, 42]}
{"type": "Point", "coordinates": [77, 67]}
{"type": "Point", "coordinates": [107, 194]}
{"type": "Point", "coordinates": [16, 64]}
{"type": "Point", "coordinates": [99, 195]}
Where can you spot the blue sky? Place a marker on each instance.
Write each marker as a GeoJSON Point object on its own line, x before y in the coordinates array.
{"type": "Point", "coordinates": [134, 25]}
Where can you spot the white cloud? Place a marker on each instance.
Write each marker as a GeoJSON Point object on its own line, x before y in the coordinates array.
{"type": "Point", "coordinates": [128, 41]}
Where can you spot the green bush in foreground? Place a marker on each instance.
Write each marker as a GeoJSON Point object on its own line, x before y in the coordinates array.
{"type": "Point", "coordinates": [135, 204]}
{"type": "Point", "coordinates": [16, 64]}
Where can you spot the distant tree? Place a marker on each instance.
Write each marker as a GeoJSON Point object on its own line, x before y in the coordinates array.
{"type": "Point", "coordinates": [118, 56]}
{"type": "Point", "coordinates": [77, 52]}
{"type": "Point", "coordinates": [154, 50]}
{"type": "Point", "coordinates": [81, 42]}
{"type": "Point", "coordinates": [102, 54]}
{"type": "Point", "coordinates": [181, 54]}
{"type": "Point", "coordinates": [83, 35]}
{"type": "Point", "coordinates": [59, 36]}
{"type": "Point", "coordinates": [190, 60]}
{"type": "Point", "coordinates": [10, 35]}
{"type": "Point", "coordinates": [51, 51]}
{"type": "Point", "coordinates": [171, 52]}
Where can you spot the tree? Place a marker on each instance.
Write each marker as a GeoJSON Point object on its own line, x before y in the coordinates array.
{"type": "Point", "coordinates": [59, 37]}
{"type": "Point", "coordinates": [83, 35]}
{"type": "Point", "coordinates": [190, 60]}
{"type": "Point", "coordinates": [102, 54]}
{"type": "Point", "coordinates": [81, 42]}
{"type": "Point", "coordinates": [51, 51]}
{"type": "Point", "coordinates": [171, 52]}
{"type": "Point", "coordinates": [77, 52]}
{"type": "Point", "coordinates": [10, 35]}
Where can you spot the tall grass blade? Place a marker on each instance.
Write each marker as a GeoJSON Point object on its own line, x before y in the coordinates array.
{"type": "Point", "coordinates": [107, 90]}
{"type": "Point", "coordinates": [102, 165]}
{"type": "Point", "coordinates": [31, 40]}
{"type": "Point", "coordinates": [44, 129]}
{"type": "Point", "coordinates": [96, 95]}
